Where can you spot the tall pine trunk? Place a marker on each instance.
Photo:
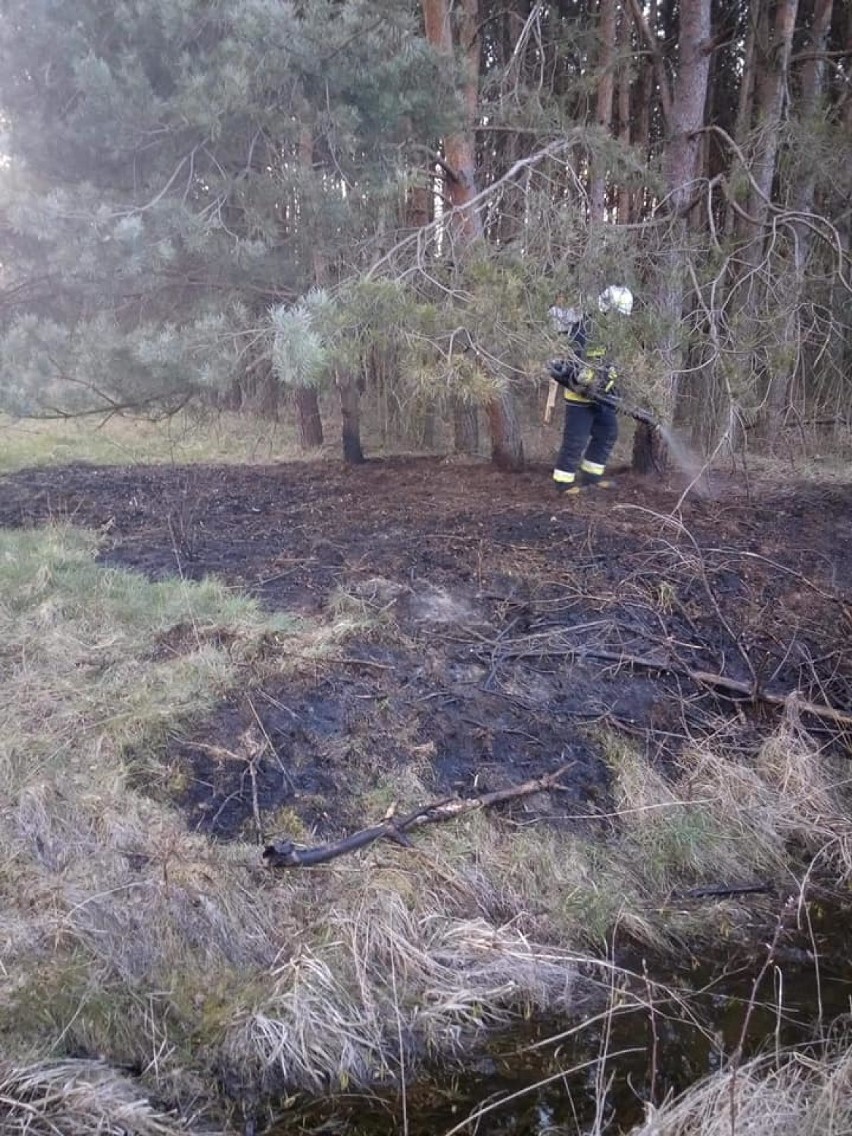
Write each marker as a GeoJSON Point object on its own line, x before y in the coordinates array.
{"type": "Point", "coordinates": [684, 104]}
{"type": "Point", "coordinates": [308, 419]}
{"type": "Point", "coordinates": [603, 106]}
{"type": "Point", "coordinates": [809, 111]}
{"type": "Point", "coordinates": [306, 399]}
{"type": "Point", "coordinates": [465, 221]}
{"type": "Point", "coordinates": [350, 413]}
{"type": "Point", "coordinates": [770, 88]}
{"type": "Point", "coordinates": [624, 88]}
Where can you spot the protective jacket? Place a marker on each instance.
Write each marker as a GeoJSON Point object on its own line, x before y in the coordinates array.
{"type": "Point", "coordinates": [588, 374]}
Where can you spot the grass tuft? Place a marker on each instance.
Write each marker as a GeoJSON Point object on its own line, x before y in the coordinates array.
{"type": "Point", "coordinates": [77, 1098]}
{"type": "Point", "coordinates": [799, 1095]}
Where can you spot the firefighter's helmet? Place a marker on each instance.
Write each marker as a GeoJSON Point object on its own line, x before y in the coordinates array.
{"type": "Point", "coordinates": [616, 298]}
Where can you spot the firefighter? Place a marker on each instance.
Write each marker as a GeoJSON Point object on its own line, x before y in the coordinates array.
{"type": "Point", "coordinates": [591, 426]}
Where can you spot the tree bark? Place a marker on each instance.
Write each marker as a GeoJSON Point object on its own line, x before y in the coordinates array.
{"type": "Point", "coordinates": [771, 81]}
{"type": "Point", "coordinates": [464, 224]}
{"type": "Point", "coordinates": [642, 127]}
{"type": "Point", "coordinates": [268, 394]}
{"type": "Point", "coordinates": [507, 446]}
{"type": "Point", "coordinates": [603, 104]}
{"type": "Point", "coordinates": [771, 84]}
{"type": "Point", "coordinates": [350, 412]}
{"type": "Point", "coordinates": [649, 453]}
{"type": "Point", "coordinates": [418, 210]}
{"type": "Point", "coordinates": [808, 111]}
{"type": "Point", "coordinates": [812, 82]}
{"type": "Point", "coordinates": [308, 418]}
{"type": "Point", "coordinates": [286, 854]}
{"type": "Point", "coordinates": [465, 427]}
{"type": "Point", "coordinates": [684, 105]}
{"type": "Point", "coordinates": [305, 399]}
{"type": "Point", "coordinates": [459, 148]}
{"type": "Point", "coordinates": [681, 162]}
{"type": "Point", "coordinates": [623, 80]}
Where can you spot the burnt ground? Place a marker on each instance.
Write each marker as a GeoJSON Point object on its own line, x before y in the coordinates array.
{"type": "Point", "coordinates": [505, 629]}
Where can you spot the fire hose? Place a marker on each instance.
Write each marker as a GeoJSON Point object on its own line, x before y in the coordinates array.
{"type": "Point", "coordinates": [628, 409]}
{"type": "Point", "coordinates": [615, 401]}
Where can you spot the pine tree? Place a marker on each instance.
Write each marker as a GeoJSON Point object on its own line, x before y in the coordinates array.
{"type": "Point", "coordinates": [158, 192]}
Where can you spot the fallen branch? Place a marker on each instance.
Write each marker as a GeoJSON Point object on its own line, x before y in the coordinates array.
{"type": "Point", "coordinates": [542, 644]}
{"type": "Point", "coordinates": [722, 682]}
{"type": "Point", "coordinates": [285, 854]}
{"type": "Point", "coordinates": [721, 891]}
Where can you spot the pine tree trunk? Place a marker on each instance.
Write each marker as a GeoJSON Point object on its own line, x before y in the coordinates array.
{"type": "Point", "coordinates": [350, 412]}
{"type": "Point", "coordinates": [771, 83]}
{"type": "Point", "coordinates": [465, 427]}
{"type": "Point", "coordinates": [812, 82]}
{"type": "Point", "coordinates": [684, 105]}
{"type": "Point", "coordinates": [623, 78]}
{"type": "Point", "coordinates": [418, 211]}
{"type": "Point", "coordinates": [642, 127]}
{"type": "Point", "coordinates": [688, 102]}
{"type": "Point", "coordinates": [306, 400]}
{"type": "Point", "coordinates": [460, 181]}
{"type": "Point", "coordinates": [460, 147]}
{"type": "Point", "coordinates": [603, 109]}
{"type": "Point", "coordinates": [649, 452]}
{"type": "Point", "coordinates": [308, 418]}
{"type": "Point", "coordinates": [268, 396]}
{"type": "Point", "coordinates": [808, 111]}
{"type": "Point", "coordinates": [428, 428]}
{"type": "Point", "coordinates": [507, 446]}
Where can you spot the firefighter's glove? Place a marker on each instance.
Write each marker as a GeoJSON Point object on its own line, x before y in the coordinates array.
{"type": "Point", "coordinates": [564, 372]}
{"type": "Point", "coordinates": [609, 377]}
{"type": "Point", "coordinates": [602, 383]}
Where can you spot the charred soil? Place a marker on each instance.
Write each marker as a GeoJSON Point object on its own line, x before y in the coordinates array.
{"type": "Point", "coordinates": [496, 630]}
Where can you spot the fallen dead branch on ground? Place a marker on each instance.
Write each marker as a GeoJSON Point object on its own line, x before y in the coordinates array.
{"type": "Point", "coordinates": [552, 644]}
{"type": "Point", "coordinates": [723, 682]}
{"type": "Point", "coordinates": [285, 854]}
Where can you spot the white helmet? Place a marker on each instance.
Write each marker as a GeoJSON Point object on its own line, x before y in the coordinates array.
{"type": "Point", "coordinates": [616, 298]}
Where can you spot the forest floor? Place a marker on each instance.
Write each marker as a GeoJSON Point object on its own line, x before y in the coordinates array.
{"type": "Point", "coordinates": [199, 660]}
{"type": "Point", "coordinates": [494, 623]}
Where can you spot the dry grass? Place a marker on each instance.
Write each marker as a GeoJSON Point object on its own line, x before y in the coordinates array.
{"type": "Point", "coordinates": [398, 962]}
{"type": "Point", "coordinates": [214, 436]}
{"type": "Point", "coordinates": [795, 1096]}
{"type": "Point", "coordinates": [77, 1098]}
{"type": "Point", "coordinates": [715, 818]}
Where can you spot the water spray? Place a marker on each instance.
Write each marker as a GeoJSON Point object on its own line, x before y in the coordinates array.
{"type": "Point", "coordinates": [680, 454]}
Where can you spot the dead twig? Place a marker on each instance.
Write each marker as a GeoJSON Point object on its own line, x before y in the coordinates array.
{"type": "Point", "coordinates": [285, 854]}
{"type": "Point", "coordinates": [722, 682]}
{"type": "Point", "coordinates": [722, 891]}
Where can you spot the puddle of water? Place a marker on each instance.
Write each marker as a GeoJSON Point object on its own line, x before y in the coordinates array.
{"type": "Point", "coordinates": [534, 1085]}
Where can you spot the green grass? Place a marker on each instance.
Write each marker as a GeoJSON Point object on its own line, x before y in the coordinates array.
{"type": "Point", "coordinates": [79, 647]}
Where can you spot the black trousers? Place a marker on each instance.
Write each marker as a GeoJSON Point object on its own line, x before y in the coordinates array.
{"type": "Point", "coordinates": [588, 437]}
